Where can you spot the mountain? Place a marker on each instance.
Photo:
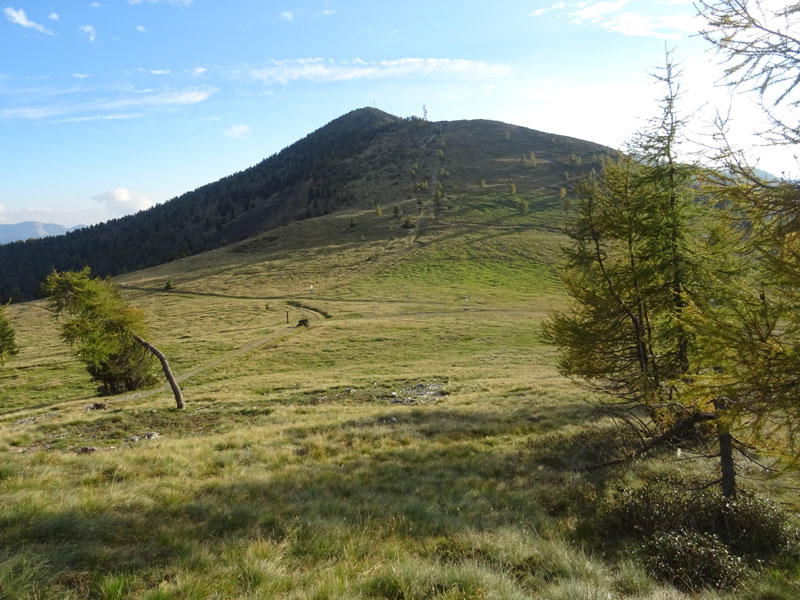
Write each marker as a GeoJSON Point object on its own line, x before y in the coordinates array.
{"type": "Point", "coordinates": [32, 229]}
{"type": "Point", "coordinates": [360, 160]}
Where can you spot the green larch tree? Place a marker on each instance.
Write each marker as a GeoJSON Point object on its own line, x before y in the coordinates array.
{"type": "Point", "coordinates": [640, 254]}
{"type": "Point", "coordinates": [105, 332]}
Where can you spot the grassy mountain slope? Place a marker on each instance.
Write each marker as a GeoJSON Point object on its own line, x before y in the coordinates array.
{"type": "Point", "coordinates": [362, 158]}
{"type": "Point", "coordinates": [414, 442]}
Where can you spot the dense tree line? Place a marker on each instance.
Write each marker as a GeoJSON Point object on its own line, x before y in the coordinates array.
{"type": "Point", "coordinates": [309, 178]}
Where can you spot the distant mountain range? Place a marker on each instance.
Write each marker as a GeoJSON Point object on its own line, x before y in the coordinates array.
{"type": "Point", "coordinates": [32, 229]}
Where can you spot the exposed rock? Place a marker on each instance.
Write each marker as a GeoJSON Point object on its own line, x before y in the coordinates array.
{"type": "Point", "coordinates": [87, 449]}
{"type": "Point", "coordinates": [150, 435]}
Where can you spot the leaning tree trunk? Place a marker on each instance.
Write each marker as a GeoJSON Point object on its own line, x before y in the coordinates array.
{"type": "Point", "coordinates": [176, 390]}
{"type": "Point", "coordinates": [725, 453]}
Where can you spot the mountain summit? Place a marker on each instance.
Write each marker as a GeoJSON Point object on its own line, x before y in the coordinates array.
{"type": "Point", "coordinates": [361, 160]}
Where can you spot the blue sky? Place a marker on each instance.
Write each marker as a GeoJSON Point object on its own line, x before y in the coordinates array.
{"type": "Point", "coordinates": [108, 107]}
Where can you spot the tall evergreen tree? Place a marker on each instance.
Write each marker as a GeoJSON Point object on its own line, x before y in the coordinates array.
{"type": "Point", "coordinates": [641, 252]}
{"type": "Point", "coordinates": [754, 338]}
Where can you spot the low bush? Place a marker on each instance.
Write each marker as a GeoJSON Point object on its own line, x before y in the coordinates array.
{"type": "Point", "coordinates": [702, 538]}
{"type": "Point", "coordinates": [691, 561]}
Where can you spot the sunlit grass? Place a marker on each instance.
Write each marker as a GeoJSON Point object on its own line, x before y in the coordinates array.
{"type": "Point", "coordinates": [415, 445]}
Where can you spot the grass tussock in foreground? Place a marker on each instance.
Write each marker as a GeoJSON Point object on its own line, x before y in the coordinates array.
{"type": "Point", "coordinates": [416, 444]}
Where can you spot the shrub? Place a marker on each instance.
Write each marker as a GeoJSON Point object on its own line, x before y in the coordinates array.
{"type": "Point", "coordinates": [692, 560]}
{"type": "Point", "coordinates": [749, 526]}
{"type": "Point", "coordinates": [699, 539]}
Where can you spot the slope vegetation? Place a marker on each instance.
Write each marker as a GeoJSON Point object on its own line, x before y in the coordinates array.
{"type": "Point", "coordinates": [414, 442]}
{"type": "Point", "coordinates": [363, 158]}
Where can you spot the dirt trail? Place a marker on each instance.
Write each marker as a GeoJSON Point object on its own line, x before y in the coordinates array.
{"type": "Point", "coordinates": [236, 353]}
{"type": "Point", "coordinates": [183, 376]}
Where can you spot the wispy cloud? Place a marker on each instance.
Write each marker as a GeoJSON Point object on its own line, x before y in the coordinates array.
{"type": "Point", "coordinates": [94, 5]}
{"type": "Point", "coordinates": [80, 75]}
{"type": "Point", "coordinates": [199, 70]}
{"type": "Point", "coordinates": [615, 16]}
{"type": "Point", "coordinates": [89, 30]}
{"type": "Point", "coordinates": [147, 99]}
{"type": "Point", "coordinates": [18, 17]}
{"type": "Point", "coordinates": [327, 10]}
{"type": "Point", "coordinates": [595, 11]}
{"type": "Point", "coordinates": [239, 132]}
{"type": "Point", "coordinates": [53, 16]}
{"type": "Point", "coordinates": [122, 200]}
{"type": "Point", "coordinates": [154, 71]}
{"type": "Point", "coordinates": [287, 15]}
{"type": "Point", "coordinates": [141, 29]}
{"type": "Point", "coordinates": [328, 70]}
{"type": "Point", "coordinates": [668, 27]}
{"type": "Point", "coordinates": [176, 2]}
{"type": "Point", "coordinates": [87, 118]}
{"type": "Point", "coordinates": [537, 13]}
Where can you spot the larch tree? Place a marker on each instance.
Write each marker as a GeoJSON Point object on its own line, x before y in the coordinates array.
{"type": "Point", "coordinates": [105, 332]}
{"type": "Point", "coordinates": [754, 340]}
{"type": "Point", "coordinates": [642, 248]}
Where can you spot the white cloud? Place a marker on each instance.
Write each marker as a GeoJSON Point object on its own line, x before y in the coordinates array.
{"type": "Point", "coordinates": [237, 131]}
{"type": "Point", "coordinates": [124, 201]}
{"type": "Point", "coordinates": [318, 69]}
{"type": "Point", "coordinates": [141, 29]}
{"type": "Point", "coordinates": [199, 70]}
{"type": "Point", "coordinates": [80, 75]}
{"type": "Point", "coordinates": [89, 30]}
{"type": "Point", "coordinates": [3, 213]}
{"type": "Point", "coordinates": [142, 100]}
{"type": "Point", "coordinates": [165, 98]}
{"type": "Point", "coordinates": [176, 2]}
{"type": "Point", "coordinates": [595, 11]}
{"type": "Point", "coordinates": [94, 5]}
{"type": "Point", "coordinates": [18, 17]}
{"type": "Point", "coordinates": [611, 16]}
{"type": "Point", "coordinates": [537, 13]}
{"type": "Point", "coordinates": [287, 15]}
{"type": "Point", "coordinates": [160, 71]}
{"type": "Point", "coordinates": [558, 6]}
{"type": "Point", "coordinates": [100, 118]}
{"type": "Point", "coordinates": [53, 16]}
{"type": "Point", "coordinates": [327, 11]}
{"type": "Point", "coordinates": [669, 27]}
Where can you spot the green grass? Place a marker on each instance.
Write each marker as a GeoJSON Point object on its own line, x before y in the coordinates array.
{"type": "Point", "coordinates": [414, 445]}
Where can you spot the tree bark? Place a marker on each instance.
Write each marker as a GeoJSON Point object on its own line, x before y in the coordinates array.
{"type": "Point", "coordinates": [176, 390]}
{"type": "Point", "coordinates": [666, 437]}
{"type": "Point", "coordinates": [725, 453]}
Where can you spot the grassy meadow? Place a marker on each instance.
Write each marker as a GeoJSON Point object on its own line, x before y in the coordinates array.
{"type": "Point", "coordinates": [414, 442]}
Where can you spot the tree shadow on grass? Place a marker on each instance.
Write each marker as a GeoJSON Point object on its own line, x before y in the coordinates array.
{"type": "Point", "coordinates": [415, 477]}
